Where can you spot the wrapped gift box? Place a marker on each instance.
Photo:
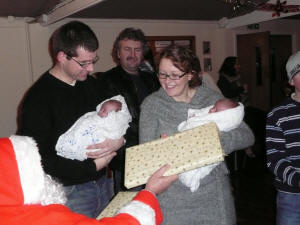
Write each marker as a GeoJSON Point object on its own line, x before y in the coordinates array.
{"type": "Point", "coordinates": [121, 199]}
{"type": "Point", "coordinates": [183, 151]}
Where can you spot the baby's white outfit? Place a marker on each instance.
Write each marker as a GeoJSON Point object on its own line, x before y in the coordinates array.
{"type": "Point", "coordinates": [92, 129]}
{"type": "Point", "coordinates": [226, 120]}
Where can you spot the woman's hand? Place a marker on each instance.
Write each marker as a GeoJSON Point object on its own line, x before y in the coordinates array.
{"type": "Point", "coordinates": [158, 183]}
{"type": "Point", "coordinates": [104, 148]}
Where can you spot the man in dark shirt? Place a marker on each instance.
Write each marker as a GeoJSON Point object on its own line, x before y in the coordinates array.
{"type": "Point", "coordinates": [54, 103]}
{"type": "Point", "coordinates": [133, 84]}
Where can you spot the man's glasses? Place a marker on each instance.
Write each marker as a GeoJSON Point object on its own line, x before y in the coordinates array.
{"type": "Point", "coordinates": [84, 65]}
{"type": "Point", "coordinates": [172, 76]}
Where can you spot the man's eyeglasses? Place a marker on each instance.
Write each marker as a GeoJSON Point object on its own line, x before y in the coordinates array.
{"type": "Point", "coordinates": [84, 65]}
{"type": "Point", "coordinates": [172, 76]}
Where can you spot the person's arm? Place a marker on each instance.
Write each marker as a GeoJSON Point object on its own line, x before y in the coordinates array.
{"type": "Point", "coordinates": [37, 121]}
{"type": "Point", "coordinates": [284, 167]}
{"type": "Point", "coordinates": [237, 139]}
{"type": "Point", "coordinates": [144, 209]}
{"type": "Point", "coordinates": [106, 147]}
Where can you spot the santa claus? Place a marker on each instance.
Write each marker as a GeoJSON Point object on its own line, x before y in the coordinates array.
{"type": "Point", "coordinates": [29, 196]}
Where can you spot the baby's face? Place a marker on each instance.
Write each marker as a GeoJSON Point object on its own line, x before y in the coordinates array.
{"type": "Point", "coordinates": [103, 112]}
{"type": "Point", "coordinates": [108, 107]}
{"type": "Point", "coordinates": [218, 107]}
{"type": "Point", "coordinates": [222, 105]}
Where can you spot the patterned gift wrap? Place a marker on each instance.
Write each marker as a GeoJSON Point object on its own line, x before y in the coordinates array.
{"type": "Point", "coordinates": [121, 199]}
{"type": "Point", "coordinates": [183, 151]}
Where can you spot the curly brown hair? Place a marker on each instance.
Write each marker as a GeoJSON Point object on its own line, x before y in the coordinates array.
{"type": "Point", "coordinates": [185, 60]}
{"type": "Point", "coordinates": [129, 34]}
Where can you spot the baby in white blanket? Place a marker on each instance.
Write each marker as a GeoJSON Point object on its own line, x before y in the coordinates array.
{"type": "Point", "coordinates": [110, 120]}
{"type": "Point", "coordinates": [227, 114]}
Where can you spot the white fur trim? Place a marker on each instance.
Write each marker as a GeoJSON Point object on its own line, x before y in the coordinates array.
{"type": "Point", "coordinates": [139, 210]}
{"type": "Point", "coordinates": [37, 186]}
{"type": "Point", "coordinates": [53, 192]}
{"type": "Point", "coordinates": [30, 169]}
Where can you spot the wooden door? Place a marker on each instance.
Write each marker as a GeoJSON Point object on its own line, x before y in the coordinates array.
{"type": "Point", "coordinates": [253, 57]}
{"type": "Point", "coordinates": [280, 50]}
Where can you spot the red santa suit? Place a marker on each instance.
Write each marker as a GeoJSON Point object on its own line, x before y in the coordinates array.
{"type": "Point", "coordinates": [28, 196]}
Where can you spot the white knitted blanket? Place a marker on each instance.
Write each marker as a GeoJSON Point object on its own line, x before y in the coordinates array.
{"type": "Point", "coordinates": [225, 120]}
{"type": "Point", "coordinates": [92, 129]}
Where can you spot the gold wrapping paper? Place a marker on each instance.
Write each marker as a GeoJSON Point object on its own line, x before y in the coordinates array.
{"type": "Point", "coordinates": [121, 199]}
{"type": "Point", "coordinates": [183, 151]}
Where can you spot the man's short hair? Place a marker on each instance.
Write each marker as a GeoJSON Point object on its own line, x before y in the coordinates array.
{"type": "Point", "coordinates": [129, 34]}
{"type": "Point", "coordinates": [70, 36]}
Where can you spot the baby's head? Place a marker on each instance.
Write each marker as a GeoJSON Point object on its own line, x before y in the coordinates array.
{"type": "Point", "coordinates": [109, 106]}
{"type": "Point", "coordinates": [223, 104]}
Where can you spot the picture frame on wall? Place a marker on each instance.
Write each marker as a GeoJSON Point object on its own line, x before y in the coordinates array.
{"type": "Point", "coordinates": [158, 43]}
{"type": "Point", "coordinates": [206, 47]}
{"type": "Point", "coordinates": [207, 64]}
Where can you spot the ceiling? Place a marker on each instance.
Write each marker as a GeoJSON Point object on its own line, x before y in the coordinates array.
{"type": "Point", "coordinates": [25, 8]}
{"type": "Point", "coordinates": [126, 9]}
{"type": "Point", "coordinates": [159, 9]}
{"type": "Point", "coordinates": [211, 10]}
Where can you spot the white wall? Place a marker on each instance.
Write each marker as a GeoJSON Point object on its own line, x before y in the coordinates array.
{"type": "Point", "coordinates": [24, 51]}
{"type": "Point", "coordinates": [107, 31]}
{"type": "Point", "coordinates": [14, 72]}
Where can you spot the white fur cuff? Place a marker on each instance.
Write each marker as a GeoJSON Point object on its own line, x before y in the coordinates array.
{"type": "Point", "coordinates": [142, 212]}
